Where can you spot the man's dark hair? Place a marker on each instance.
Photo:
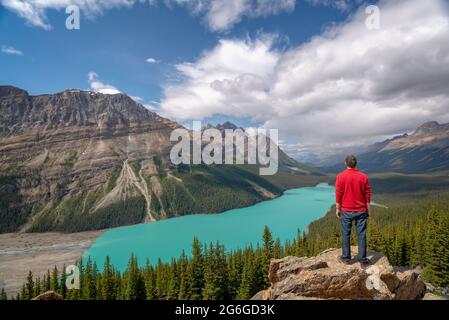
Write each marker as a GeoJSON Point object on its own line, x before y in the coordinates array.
{"type": "Point", "coordinates": [351, 161]}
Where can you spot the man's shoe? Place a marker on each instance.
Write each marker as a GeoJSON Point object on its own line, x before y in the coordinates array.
{"type": "Point", "coordinates": [344, 261]}
{"type": "Point", "coordinates": [364, 263]}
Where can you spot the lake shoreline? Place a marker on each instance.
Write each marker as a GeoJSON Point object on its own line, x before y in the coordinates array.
{"type": "Point", "coordinates": [21, 252]}
{"type": "Point", "coordinates": [39, 252]}
{"type": "Point", "coordinates": [235, 228]}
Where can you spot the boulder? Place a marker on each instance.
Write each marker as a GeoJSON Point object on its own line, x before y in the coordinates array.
{"type": "Point", "coordinates": [49, 295]}
{"type": "Point", "coordinates": [325, 277]}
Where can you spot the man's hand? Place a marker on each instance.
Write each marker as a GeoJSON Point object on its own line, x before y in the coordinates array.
{"type": "Point", "coordinates": [338, 211]}
{"type": "Point", "coordinates": [368, 205]}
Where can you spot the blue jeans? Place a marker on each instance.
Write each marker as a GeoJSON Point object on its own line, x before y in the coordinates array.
{"type": "Point", "coordinates": [360, 219]}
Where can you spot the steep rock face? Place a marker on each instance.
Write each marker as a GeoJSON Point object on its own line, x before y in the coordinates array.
{"type": "Point", "coordinates": [324, 277]}
{"type": "Point", "coordinates": [78, 160]}
{"type": "Point", "coordinates": [73, 143]}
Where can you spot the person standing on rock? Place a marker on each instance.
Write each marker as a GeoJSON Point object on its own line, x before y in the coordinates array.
{"type": "Point", "coordinates": [353, 197]}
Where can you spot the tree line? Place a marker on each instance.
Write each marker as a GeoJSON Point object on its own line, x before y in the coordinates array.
{"type": "Point", "coordinates": [409, 234]}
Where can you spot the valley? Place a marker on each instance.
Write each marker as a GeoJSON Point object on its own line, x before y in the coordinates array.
{"type": "Point", "coordinates": [76, 167]}
{"type": "Point", "coordinates": [77, 161]}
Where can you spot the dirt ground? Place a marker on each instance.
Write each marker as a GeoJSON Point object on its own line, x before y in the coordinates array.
{"type": "Point", "coordinates": [21, 252]}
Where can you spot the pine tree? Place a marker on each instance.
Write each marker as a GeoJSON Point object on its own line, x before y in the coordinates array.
{"type": "Point", "coordinates": [88, 282]}
{"type": "Point", "coordinates": [441, 271]}
{"type": "Point", "coordinates": [184, 279]}
{"type": "Point", "coordinates": [173, 281]}
{"type": "Point", "coordinates": [3, 295]}
{"type": "Point", "coordinates": [246, 285]}
{"type": "Point", "coordinates": [107, 281]}
{"type": "Point", "coordinates": [150, 282]}
{"type": "Point", "coordinates": [62, 285]}
{"type": "Point", "coordinates": [29, 293]}
{"type": "Point", "coordinates": [235, 269]}
{"type": "Point", "coordinates": [215, 274]}
{"type": "Point", "coordinates": [277, 249]}
{"type": "Point", "coordinates": [432, 254]}
{"type": "Point", "coordinates": [37, 287]}
{"type": "Point", "coordinates": [161, 280]}
{"type": "Point", "coordinates": [54, 284]}
{"type": "Point", "coordinates": [268, 245]}
{"type": "Point", "coordinates": [134, 283]}
{"type": "Point", "coordinates": [195, 270]}
{"type": "Point", "coordinates": [47, 281]}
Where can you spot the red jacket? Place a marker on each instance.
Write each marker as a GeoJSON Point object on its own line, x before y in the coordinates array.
{"type": "Point", "coordinates": [353, 191]}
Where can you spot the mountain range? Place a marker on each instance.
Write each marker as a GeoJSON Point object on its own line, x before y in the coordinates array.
{"type": "Point", "coordinates": [425, 150]}
{"type": "Point", "coordinates": [79, 160]}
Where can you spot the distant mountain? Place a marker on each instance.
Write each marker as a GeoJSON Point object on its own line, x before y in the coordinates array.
{"type": "Point", "coordinates": [286, 163]}
{"type": "Point", "coordinates": [80, 160]}
{"type": "Point", "coordinates": [425, 150]}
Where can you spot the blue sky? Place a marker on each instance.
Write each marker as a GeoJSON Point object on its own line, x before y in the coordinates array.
{"type": "Point", "coordinates": [116, 44]}
{"type": "Point", "coordinates": [296, 65]}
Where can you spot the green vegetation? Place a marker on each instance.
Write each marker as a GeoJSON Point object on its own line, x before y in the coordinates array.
{"type": "Point", "coordinates": [288, 179]}
{"type": "Point", "coordinates": [387, 183]}
{"type": "Point", "coordinates": [135, 166]}
{"type": "Point", "coordinates": [208, 189]}
{"type": "Point", "coordinates": [69, 162]}
{"type": "Point", "coordinates": [155, 205]}
{"type": "Point", "coordinates": [12, 213]}
{"type": "Point", "coordinates": [72, 214]}
{"type": "Point", "coordinates": [410, 234]}
{"type": "Point", "coordinates": [112, 182]}
{"type": "Point", "coordinates": [209, 273]}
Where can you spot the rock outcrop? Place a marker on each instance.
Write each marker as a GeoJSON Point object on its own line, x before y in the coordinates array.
{"type": "Point", "coordinates": [49, 295]}
{"type": "Point", "coordinates": [325, 277]}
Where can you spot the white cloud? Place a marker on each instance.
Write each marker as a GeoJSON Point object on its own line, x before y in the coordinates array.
{"type": "Point", "coordinates": [346, 86]}
{"type": "Point", "coordinates": [222, 15]}
{"type": "Point", "coordinates": [152, 61]}
{"type": "Point", "coordinates": [343, 5]}
{"type": "Point", "coordinates": [11, 50]}
{"type": "Point", "coordinates": [218, 15]}
{"type": "Point", "coordinates": [34, 11]}
{"type": "Point", "coordinates": [136, 99]}
{"type": "Point", "coordinates": [98, 86]}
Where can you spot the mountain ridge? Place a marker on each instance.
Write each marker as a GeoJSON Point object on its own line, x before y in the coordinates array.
{"type": "Point", "coordinates": [78, 160]}
{"type": "Point", "coordinates": [425, 150]}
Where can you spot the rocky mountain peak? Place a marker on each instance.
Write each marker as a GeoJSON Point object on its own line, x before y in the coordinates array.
{"type": "Point", "coordinates": [431, 128]}
{"type": "Point", "coordinates": [71, 108]}
{"type": "Point", "coordinates": [11, 91]}
{"type": "Point", "coordinates": [226, 125]}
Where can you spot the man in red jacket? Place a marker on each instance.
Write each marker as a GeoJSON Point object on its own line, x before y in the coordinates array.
{"type": "Point", "coordinates": [353, 197]}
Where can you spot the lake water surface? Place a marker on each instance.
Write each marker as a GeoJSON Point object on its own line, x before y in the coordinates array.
{"type": "Point", "coordinates": [236, 228]}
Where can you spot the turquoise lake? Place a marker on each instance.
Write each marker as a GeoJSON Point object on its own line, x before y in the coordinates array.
{"type": "Point", "coordinates": [236, 228]}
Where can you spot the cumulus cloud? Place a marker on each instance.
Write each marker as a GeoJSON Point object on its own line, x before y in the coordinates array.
{"type": "Point", "coordinates": [345, 86]}
{"type": "Point", "coordinates": [97, 85]}
{"type": "Point", "coordinates": [11, 50]}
